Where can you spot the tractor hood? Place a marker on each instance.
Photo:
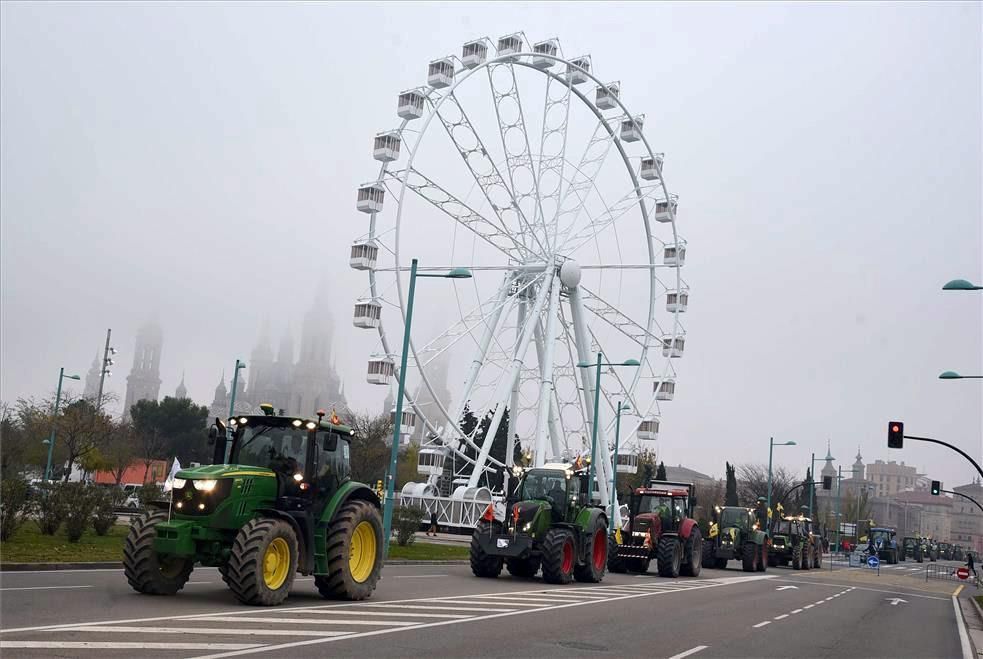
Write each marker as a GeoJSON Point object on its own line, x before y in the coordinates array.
{"type": "Point", "coordinates": [224, 471]}
{"type": "Point", "coordinates": [529, 516]}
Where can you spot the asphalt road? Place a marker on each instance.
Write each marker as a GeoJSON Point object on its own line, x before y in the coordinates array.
{"type": "Point", "coordinates": [443, 611]}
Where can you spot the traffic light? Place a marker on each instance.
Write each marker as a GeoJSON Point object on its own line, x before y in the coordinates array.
{"type": "Point", "coordinates": [936, 488]}
{"type": "Point", "coordinates": [895, 434]}
{"type": "Point", "coordinates": [827, 482]}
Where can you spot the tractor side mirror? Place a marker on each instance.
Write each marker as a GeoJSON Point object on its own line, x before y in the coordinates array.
{"type": "Point", "coordinates": [212, 435]}
{"type": "Point", "coordinates": [330, 442]}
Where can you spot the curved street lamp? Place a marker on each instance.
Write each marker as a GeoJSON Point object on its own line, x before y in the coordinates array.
{"type": "Point", "coordinates": [771, 449]}
{"type": "Point", "coordinates": [54, 420]}
{"type": "Point", "coordinates": [952, 375]}
{"type": "Point", "coordinates": [961, 285]}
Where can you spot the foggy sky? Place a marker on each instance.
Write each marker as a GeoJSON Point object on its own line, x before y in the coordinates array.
{"type": "Point", "coordinates": [198, 164]}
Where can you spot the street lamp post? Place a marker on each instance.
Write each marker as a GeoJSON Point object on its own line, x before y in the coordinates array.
{"type": "Point", "coordinates": [771, 449]}
{"type": "Point", "coordinates": [107, 361]}
{"type": "Point", "coordinates": [597, 405]}
{"type": "Point", "coordinates": [622, 407]}
{"type": "Point", "coordinates": [812, 486]}
{"type": "Point", "coordinates": [54, 420]}
{"type": "Point", "coordinates": [839, 480]}
{"type": "Point", "coordinates": [387, 513]}
{"type": "Point", "coordinates": [232, 404]}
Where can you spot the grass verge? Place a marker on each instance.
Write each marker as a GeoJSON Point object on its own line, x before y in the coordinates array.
{"type": "Point", "coordinates": [28, 545]}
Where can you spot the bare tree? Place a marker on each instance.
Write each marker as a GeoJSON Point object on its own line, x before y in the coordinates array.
{"type": "Point", "coordinates": [81, 430]}
{"type": "Point", "coordinates": [752, 482]}
{"type": "Point", "coordinates": [119, 450]}
{"type": "Point", "coordinates": [369, 454]}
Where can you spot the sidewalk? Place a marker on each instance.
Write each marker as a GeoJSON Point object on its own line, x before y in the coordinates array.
{"type": "Point", "coordinates": [444, 538]}
{"type": "Point", "coordinates": [973, 616]}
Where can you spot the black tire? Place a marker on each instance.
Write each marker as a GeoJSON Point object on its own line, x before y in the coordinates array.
{"type": "Point", "coordinates": [692, 554]}
{"type": "Point", "coordinates": [817, 558]}
{"type": "Point", "coordinates": [639, 565]}
{"type": "Point", "coordinates": [523, 567]}
{"type": "Point", "coordinates": [249, 557]}
{"type": "Point", "coordinates": [806, 556]}
{"type": "Point", "coordinates": [750, 555]}
{"type": "Point", "coordinates": [902, 557]}
{"type": "Point", "coordinates": [669, 556]}
{"type": "Point", "coordinates": [797, 557]}
{"type": "Point", "coordinates": [559, 556]}
{"type": "Point", "coordinates": [340, 582]}
{"type": "Point", "coordinates": [721, 564]}
{"type": "Point", "coordinates": [709, 554]}
{"type": "Point", "coordinates": [485, 565]}
{"type": "Point", "coordinates": [763, 559]}
{"type": "Point", "coordinates": [595, 553]}
{"type": "Point", "coordinates": [143, 567]}
{"type": "Point", "coordinates": [616, 563]}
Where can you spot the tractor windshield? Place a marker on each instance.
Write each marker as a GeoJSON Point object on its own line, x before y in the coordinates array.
{"type": "Point", "coordinates": [282, 448]}
{"type": "Point", "coordinates": [783, 527]}
{"type": "Point", "coordinates": [880, 535]}
{"type": "Point", "coordinates": [544, 485]}
{"type": "Point", "coordinates": [734, 517]}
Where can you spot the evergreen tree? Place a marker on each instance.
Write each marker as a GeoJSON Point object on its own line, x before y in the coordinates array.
{"type": "Point", "coordinates": [730, 496]}
{"type": "Point", "coordinates": [660, 474]}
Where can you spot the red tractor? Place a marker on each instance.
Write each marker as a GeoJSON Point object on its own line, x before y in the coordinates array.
{"type": "Point", "coordinates": [659, 526]}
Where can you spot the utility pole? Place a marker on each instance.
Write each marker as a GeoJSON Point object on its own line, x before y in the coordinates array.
{"type": "Point", "coordinates": [839, 480]}
{"type": "Point", "coordinates": [104, 371]}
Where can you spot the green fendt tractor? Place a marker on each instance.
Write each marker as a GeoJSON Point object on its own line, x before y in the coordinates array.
{"type": "Point", "coordinates": [945, 551]}
{"type": "Point", "coordinates": [549, 523]}
{"type": "Point", "coordinates": [911, 547]}
{"type": "Point", "coordinates": [735, 534]}
{"type": "Point", "coordinates": [793, 543]}
{"type": "Point", "coordinates": [284, 503]}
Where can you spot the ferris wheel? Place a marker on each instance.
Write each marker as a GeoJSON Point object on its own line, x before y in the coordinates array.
{"type": "Point", "coordinates": [519, 164]}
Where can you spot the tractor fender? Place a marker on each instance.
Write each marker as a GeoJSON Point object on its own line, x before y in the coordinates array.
{"type": "Point", "coordinates": [758, 537]}
{"type": "Point", "coordinates": [587, 517]}
{"type": "Point", "coordinates": [686, 528]}
{"type": "Point", "coordinates": [303, 539]}
{"type": "Point", "coordinates": [348, 491]}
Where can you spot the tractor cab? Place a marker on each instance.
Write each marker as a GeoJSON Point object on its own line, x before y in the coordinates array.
{"type": "Point", "coordinates": [659, 509]}
{"type": "Point", "coordinates": [559, 487]}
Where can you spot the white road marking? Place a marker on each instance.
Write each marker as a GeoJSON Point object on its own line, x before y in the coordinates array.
{"type": "Point", "coordinates": [87, 645]}
{"type": "Point", "coordinates": [418, 576]}
{"type": "Point", "coordinates": [796, 611]}
{"type": "Point", "coordinates": [317, 621]}
{"type": "Point", "coordinates": [829, 598]}
{"type": "Point", "coordinates": [503, 603]}
{"type": "Point", "coordinates": [820, 602]}
{"type": "Point", "coordinates": [762, 624]}
{"type": "Point", "coordinates": [787, 587]}
{"type": "Point", "coordinates": [781, 617]}
{"type": "Point", "coordinates": [379, 632]}
{"type": "Point", "coordinates": [335, 612]}
{"type": "Point", "coordinates": [194, 583]}
{"type": "Point", "coordinates": [47, 588]}
{"type": "Point", "coordinates": [524, 598]}
{"type": "Point", "coordinates": [808, 606]}
{"type": "Point", "coordinates": [961, 624]}
{"type": "Point", "coordinates": [214, 631]}
{"type": "Point", "coordinates": [426, 608]}
{"type": "Point", "coordinates": [689, 652]}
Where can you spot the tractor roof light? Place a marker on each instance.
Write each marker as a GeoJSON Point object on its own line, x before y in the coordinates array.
{"type": "Point", "coordinates": [297, 423]}
{"type": "Point", "coordinates": [311, 425]}
{"type": "Point", "coordinates": [298, 477]}
{"type": "Point", "coordinates": [243, 420]}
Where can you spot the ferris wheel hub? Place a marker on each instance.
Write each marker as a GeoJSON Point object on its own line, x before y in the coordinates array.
{"type": "Point", "coordinates": [570, 274]}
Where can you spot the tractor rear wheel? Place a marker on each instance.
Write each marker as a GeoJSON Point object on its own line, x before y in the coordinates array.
{"type": "Point", "coordinates": [595, 554]}
{"type": "Point", "coordinates": [817, 558]}
{"type": "Point", "coordinates": [559, 556]}
{"type": "Point", "coordinates": [669, 556]}
{"type": "Point", "coordinates": [147, 571]}
{"type": "Point", "coordinates": [709, 554]}
{"type": "Point", "coordinates": [797, 557]}
{"type": "Point", "coordinates": [763, 561]}
{"type": "Point", "coordinates": [750, 557]}
{"type": "Point", "coordinates": [615, 562]}
{"type": "Point", "coordinates": [263, 562]}
{"type": "Point", "coordinates": [523, 567]}
{"type": "Point", "coordinates": [483, 564]}
{"type": "Point", "coordinates": [354, 553]}
{"type": "Point", "coordinates": [692, 554]}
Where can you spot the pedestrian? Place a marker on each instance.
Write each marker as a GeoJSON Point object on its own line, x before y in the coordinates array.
{"type": "Point", "coordinates": [970, 563]}
{"type": "Point", "coordinates": [433, 523]}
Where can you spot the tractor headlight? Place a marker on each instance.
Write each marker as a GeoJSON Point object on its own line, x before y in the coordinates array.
{"type": "Point", "coordinates": [178, 483]}
{"type": "Point", "coordinates": [526, 527]}
{"type": "Point", "coordinates": [205, 485]}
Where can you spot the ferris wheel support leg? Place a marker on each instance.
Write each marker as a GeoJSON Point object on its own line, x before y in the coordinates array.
{"type": "Point", "coordinates": [506, 383]}
{"type": "Point", "coordinates": [556, 443]}
{"type": "Point", "coordinates": [581, 339]}
{"type": "Point", "coordinates": [513, 405]}
{"type": "Point", "coordinates": [545, 407]}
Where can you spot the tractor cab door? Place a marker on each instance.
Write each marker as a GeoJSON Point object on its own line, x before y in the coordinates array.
{"type": "Point", "coordinates": [332, 467]}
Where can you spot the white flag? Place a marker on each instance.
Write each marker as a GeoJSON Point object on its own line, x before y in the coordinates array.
{"type": "Point", "coordinates": [176, 467]}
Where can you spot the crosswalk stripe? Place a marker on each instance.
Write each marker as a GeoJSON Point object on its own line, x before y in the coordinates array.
{"type": "Point", "coordinates": [504, 603]}
{"type": "Point", "coordinates": [314, 621]}
{"type": "Point", "coordinates": [428, 608]}
{"type": "Point", "coordinates": [337, 611]}
{"type": "Point", "coordinates": [214, 631]}
{"type": "Point", "coordinates": [521, 598]}
{"type": "Point", "coordinates": [87, 645]}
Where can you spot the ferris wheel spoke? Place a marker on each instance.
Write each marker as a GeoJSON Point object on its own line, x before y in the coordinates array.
{"type": "Point", "coordinates": [459, 211]}
{"type": "Point", "coordinates": [524, 184]}
{"type": "Point", "coordinates": [472, 150]}
{"type": "Point", "coordinates": [610, 216]}
{"type": "Point", "coordinates": [623, 390]}
{"type": "Point", "coordinates": [621, 321]}
{"type": "Point", "coordinates": [553, 151]}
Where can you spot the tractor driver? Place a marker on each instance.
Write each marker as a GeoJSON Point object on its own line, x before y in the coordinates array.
{"type": "Point", "coordinates": [557, 495]}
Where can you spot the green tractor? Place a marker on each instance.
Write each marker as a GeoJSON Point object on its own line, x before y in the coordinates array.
{"type": "Point", "coordinates": [283, 503]}
{"type": "Point", "coordinates": [660, 526]}
{"type": "Point", "coordinates": [735, 535]}
{"type": "Point", "coordinates": [550, 524]}
{"type": "Point", "coordinates": [945, 551]}
{"type": "Point", "coordinates": [911, 547]}
{"type": "Point", "coordinates": [793, 543]}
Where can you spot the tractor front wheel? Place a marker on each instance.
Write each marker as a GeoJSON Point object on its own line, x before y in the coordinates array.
{"type": "Point", "coordinates": [818, 555]}
{"type": "Point", "coordinates": [263, 562]}
{"type": "Point", "coordinates": [146, 570]}
{"type": "Point", "coordinates": [615, 562]}
{"type": "Point", "coordinates": [669, 556]}
{"type": "Point", "coordinates": [692, 554]}
{"type": "Point", "coordinates": [483, 564]}
{"type": "Point", "coordinates": [522, 567]}
{"type": "Point", "coordinates": [750, 557]}
{"type": "Point", "coordinates": [354, 553]}
{"type": "Point", "coordinates": [559, 556]}
{"type": "Point", "coordinates": [797, 557]}
{"type": "Point", "coordinates": [709, 554]}
{"type": "Point", "coordinates": [595, 554]}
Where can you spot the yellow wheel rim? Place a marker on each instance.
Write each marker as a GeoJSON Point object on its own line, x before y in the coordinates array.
{"type": "Point", "coordinates": [276, 563]}
{"type": "Point", "coordinates": [361, 560]}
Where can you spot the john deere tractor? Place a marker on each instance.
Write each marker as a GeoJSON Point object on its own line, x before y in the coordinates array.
{"type": "Point", "coordinates": [659, 526]}
{"type": "Point", "coordinates": [735, 534]}
{"type": "Point", "coordinates": [549, 524]}
{"type": "Point", "coordinates": [282, 503]}
{"type": "Point", "coordinates": [911, 547]}
{"type": "Point", "coordinates": [793, 543]}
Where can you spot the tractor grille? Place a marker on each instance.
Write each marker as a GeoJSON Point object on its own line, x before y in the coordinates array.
{"type": "Point", "coordinates": [189, 501]}
{"type": "Point", "coordinates": [247, 485]}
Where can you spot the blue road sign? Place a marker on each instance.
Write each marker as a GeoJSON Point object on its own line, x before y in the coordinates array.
{"type": "Point", "coordinates": [873, 561]}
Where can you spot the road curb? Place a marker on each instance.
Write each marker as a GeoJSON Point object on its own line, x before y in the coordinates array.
{"type": "Point", "coordinates": [976, 606]}
{"type": "Point", "coordinates": [102, 565]}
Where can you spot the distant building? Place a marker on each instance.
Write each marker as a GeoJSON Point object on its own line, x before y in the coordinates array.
{"type": "Point", "coordinates": [936, 511]}
{"type": "Point", "coordinates": [967, 520]}
{"type": "Point", "coordinates": [889, 478]}
{"type": "Point", "coordinates": [182, 391]}
{"type": "Point", "coordinates": [91, 391]}
{"type": "Point", "coordinates": [143, 382]}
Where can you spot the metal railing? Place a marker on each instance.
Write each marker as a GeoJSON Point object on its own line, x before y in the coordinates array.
{"type": "Point", "coordinates": [455, 513]}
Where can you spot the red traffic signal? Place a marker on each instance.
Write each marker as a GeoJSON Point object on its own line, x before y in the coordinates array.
{"type": "Point", "coordinates": [895, 434]}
